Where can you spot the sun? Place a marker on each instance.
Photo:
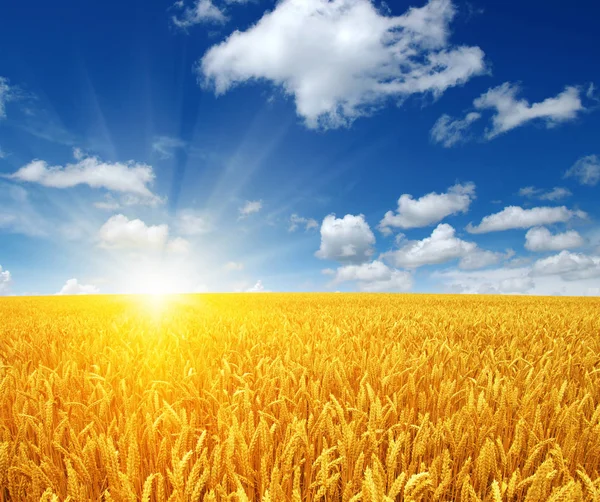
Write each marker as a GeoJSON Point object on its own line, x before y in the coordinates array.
{"type": "Point", "coordinates": [156, 280]}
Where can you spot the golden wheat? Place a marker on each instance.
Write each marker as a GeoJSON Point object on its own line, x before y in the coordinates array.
{"type": "Point", "coordinates": [299, 398]}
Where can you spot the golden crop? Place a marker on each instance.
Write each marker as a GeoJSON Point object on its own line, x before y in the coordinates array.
{"type": "Point", "coordinates": [293, 397]}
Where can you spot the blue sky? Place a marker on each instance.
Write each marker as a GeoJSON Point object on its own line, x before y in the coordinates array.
{"type": "Point", "coordinates": [299, 145]}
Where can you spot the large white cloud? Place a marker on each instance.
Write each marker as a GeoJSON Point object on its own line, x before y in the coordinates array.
{"type": "Point", "coordinates": [374, 276]}
{"type": "Point", "coordinates": [347, 240]}
{"type": "Point", "coordinates": [130, 177]}
{"type": "Point", "coordinates": [516, 217]}
{"type": "Point", "coordinates": [510, 112]}
{"type": "Point", "coordinates": [5, 281]}
{"type": "Point", "coordinates": [441, 247]}
{"type": "Point", "coordinates": [569, 266]}
{"type": "Point", "coordinates": [73, 287]}
{"type": "Point", "coordinates": [541, 239]}
{"type": "Point", "coordinates": [341, 59]}
{"type": "Point", "coordinates": [429, 209]}
{"type": "Point", "coordinates": [586, 170]}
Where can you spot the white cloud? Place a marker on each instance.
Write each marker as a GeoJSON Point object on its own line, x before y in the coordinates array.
{"type": "Point", "coordinates": [541, 239]}
{"type": "Point", "coordinates": [442, 246]}
{"type": "Point", "coordinates": [130, 177]}
{"type": "Point", "coordinates": [251, 206]}
{"type": "Point", "coordinates": [190, 222]}
{"type": "Point", "coordinates": [341, 59]}
{"type": "Point", "coordinates": [494, 281]}
{"type": "Point", "coordinates": [178, 245]}
{"type": "Point", "coordinates": [555, 194]}
{"type": "Point", "coordinates": [428, 209]}
{"type": "Point", "coordinates": [569, 266]}
{"type": "Point", "coordinates": [481, 258]}
{"type": "Point", "coordinates": [2, 154]}
{"type": "Point", "coordinates": [72, 287]}
{"type": "Point", "coordinates": [6, 95]}
{"type": "Point", "coordinates": [347, 240]}
{"type": "Point", "coordinates": [257, 288]}
{"type": "Point", "coordinates": [586, 170]}
{"type": "Point", "coordinates": [202, 11]}
{"type": "Point", "coordinates": [233, 266]}
{"type": "Point", "coordinates": [5, 281]}
{"type": "Point", "coordinates": [165, 146]}
{"type": "Point", "coordinates": [121, 232]}
{"type": "Point", "coordinates": [450, 132]}
{"type": "Point", "coordinates": [516, 217]}
{"type": "Point", "coordinates": [307, 223]}
{"type": "Point", "coordinates": [374, 277]}
{"type": "Point", "coordinates": [511, 112]}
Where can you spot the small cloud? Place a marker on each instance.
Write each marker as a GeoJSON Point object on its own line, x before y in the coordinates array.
{"type": "Point", "coordinates": [557, 193]}
{"type": "Point", "coordinates": [5, 281]}
{"type": "Point", "coordinates": [130, 178]}
{"type": "Point", "coordinates": [513, 217]}
{"type": "Point", "coordinates": [347, 240]}
{"type": "Point", "coordinates": [307, 223]}
{"type": "Point", "coordinates": [72, 287]}
{"type": "Point", "coordinates": [428, 209]}
{"type": "Point", "coordinates": [190, 222]}
{"type": "Point", "coordinates": [541, 239]}
{"type": "Point", "coordinates": [121, 232]}
{"type": "Point", "coordinates": [250, 207]}
{"type": "Point", "coordinates": [233, 266]}
{"type": "Point", "coordinates": [586, 170]}
{"type": "Point", "coordinates": [7, 93]}
{"type": "Point", "coordinates": [450, 132]}
{"type": "Point", "coordinates": [202, 11]}
{"type": "Point", "coordinates": [257, 288]}
{"type": "Point", "coordinates": [165, 146]}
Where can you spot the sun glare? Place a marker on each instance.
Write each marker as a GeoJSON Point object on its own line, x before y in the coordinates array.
{"type": "Point", "coordinates": [156, 281]}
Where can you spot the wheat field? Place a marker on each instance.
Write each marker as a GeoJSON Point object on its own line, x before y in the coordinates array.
{"type": "Point", "coordinates": [300, 397]}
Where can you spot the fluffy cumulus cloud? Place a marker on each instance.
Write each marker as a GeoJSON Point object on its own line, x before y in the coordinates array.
{"type": "Point", "coordinates": [586, 170]}
{"type": "Point", "coordinates": [441, 247]}
{"type": "Point", "coordinates": [557, 193]}
{"type": "Point", "coordinates": [511, 112]}
{"type": "Point", "coordinates": [119, 232]}
{"type": "Point", "coordinates": [373, 277]}
{"type": "Point", "coordinates": [299, 221]}
{"type": "Point", "coordinates": [516, 217]}
{"type": "Point", "coordinates": [347, 240]}
{"type": "Point", "coordinates": [429, 209]}
{"type": "Point", "coordinates": [130, 177]}
{"type": "Point", "coordinates": [355, 59]}
{"type": "Point", "coordinates": [541, 239]}
{"type": "Point", "coordinates": [201, 11]}
{"type": "Point", "coordinates": [450, 132]}
{"type": "Point", "coordinates": [73, 287]}
{"type": "Point", "coordinates": [250, 207]}
{"type": "Point", "coordinates": [569, 266]}
{"type": "Point", "coordinates": [165, 146]}
{"type": "Point", "coordinates": [5, 281]}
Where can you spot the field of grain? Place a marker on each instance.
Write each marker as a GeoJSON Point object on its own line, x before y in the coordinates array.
{"type": "Point", "coordinates": [294, 397]}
